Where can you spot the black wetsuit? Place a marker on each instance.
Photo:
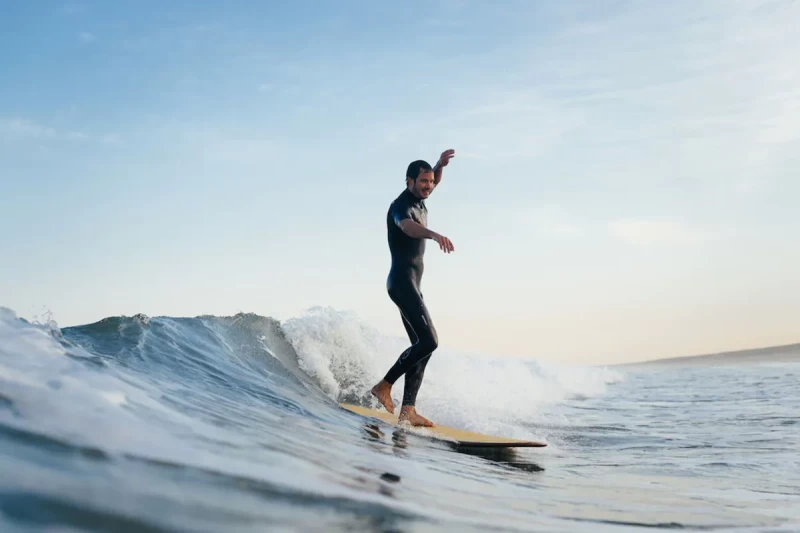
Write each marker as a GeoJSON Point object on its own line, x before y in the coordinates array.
{"type": "Point", "coordinates": [403, 285]}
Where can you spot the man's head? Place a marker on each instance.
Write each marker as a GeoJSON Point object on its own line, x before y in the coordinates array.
{"type": "Point", "coordinates": [419, 178]}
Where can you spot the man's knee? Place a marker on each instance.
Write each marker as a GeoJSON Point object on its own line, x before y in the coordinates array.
{"type": "Point", "coordinates": [430, 341]}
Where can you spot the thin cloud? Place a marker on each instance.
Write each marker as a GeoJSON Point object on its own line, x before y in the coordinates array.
{"type": "Point", "coordinates": [218, 143]}
{"type": "Point", "coordinates": [715, 99]}
{"type": "Point", "coordinates": [645, 232]}
{"type": "Point", "coordinates": [110, 138]}
{"type": "Point", "coordinates": [86, 37]}
{"type": "Point", "coordinates": [72, 8]}
{"type": "Point", "coordinates": [550, 220]}
{"type": "Point", "coordinates": [21, 129]}
{"type": "Point", "coordinates": [77, 136]}
{"type": "Point", "coordinates": [508, 125]}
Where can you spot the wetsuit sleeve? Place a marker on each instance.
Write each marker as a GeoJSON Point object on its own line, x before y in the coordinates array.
{"type": "Point", "coordinates": [400, 212]}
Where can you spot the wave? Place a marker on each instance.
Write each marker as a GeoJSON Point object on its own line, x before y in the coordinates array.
{"type": "Point", "coordinates": [480, 392]}
{"type": "Point", "coordinates": [183, 370]}
{"type": "Point", "coordinates": [232, 423]}
{"type": "Point", "coordinates": [242, 401]}
{"type": "Point", "coordinates": [322, 357]}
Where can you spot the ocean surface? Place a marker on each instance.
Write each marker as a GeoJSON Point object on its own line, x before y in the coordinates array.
{"type": "Point", "coordinates": [232, 424]}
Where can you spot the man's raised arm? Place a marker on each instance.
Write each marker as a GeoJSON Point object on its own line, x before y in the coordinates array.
{"type": "Point", "coordinates": [444, 159]}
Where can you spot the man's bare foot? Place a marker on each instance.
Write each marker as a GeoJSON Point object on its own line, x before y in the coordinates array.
{"type": "Point", "coordinates": [408, 413]}
{"type": "Point", "coordinates": [383, 392]}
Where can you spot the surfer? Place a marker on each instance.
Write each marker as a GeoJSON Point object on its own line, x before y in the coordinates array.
{"type": "Point", "coordinates": [406, 222]}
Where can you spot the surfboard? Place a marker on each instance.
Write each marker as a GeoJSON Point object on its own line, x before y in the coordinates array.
{"type": "Point", "coordinates": [456, 436]}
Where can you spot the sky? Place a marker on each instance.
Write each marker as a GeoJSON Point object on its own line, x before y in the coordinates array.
{"type": "Point", "coordinates": [624, 186]}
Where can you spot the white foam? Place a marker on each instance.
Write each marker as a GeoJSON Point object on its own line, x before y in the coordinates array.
{"type": "Point", "coordinates": [335, 348]}
{"type": "Point", "coordinates": [479, 392]}
{"type": "Point", "coordinates": [115, 397]}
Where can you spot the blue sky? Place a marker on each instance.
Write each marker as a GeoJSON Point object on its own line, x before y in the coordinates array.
{"type": "Point", "coordinates": [624, 184]}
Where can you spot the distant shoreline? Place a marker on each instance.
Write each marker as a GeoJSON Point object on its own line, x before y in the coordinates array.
{"type": "Point", "coordinates": [771, 354]}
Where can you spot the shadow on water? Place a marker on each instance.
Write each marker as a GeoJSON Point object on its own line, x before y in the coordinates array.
{"type": "Point", "coordinates": [503, 456]}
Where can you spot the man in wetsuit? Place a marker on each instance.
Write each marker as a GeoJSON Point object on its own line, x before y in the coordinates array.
{"type": "Point", "coordinates": [407, 221]}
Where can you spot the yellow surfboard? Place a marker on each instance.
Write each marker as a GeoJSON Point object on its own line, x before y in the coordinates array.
{"type": "Point", "coordinates": [457, 436]}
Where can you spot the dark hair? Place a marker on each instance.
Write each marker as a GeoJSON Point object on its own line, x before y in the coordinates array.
{"type": "Point", "coordinates": [417, 167]}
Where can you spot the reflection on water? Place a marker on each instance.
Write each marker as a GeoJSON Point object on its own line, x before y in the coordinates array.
{"type": "Point", "coordinates": [504, 456]}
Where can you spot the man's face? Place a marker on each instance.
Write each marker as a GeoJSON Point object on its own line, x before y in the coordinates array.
{"type": "Point", "coordinates": [423, 186]}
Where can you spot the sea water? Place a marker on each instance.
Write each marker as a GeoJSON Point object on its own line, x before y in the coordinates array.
{"type": "Point", "coordinates": [232, 424]}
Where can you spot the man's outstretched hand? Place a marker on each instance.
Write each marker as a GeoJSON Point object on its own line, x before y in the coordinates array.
{"type": "Point", "coordinates": [444, 243]}
{"type": "Point", "coordinates": [445, 158]}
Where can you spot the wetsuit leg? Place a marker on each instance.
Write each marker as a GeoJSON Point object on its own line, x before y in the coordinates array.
{"type": "Point", "coordinates": [409, 300]}
{"type": "Point", "coordinates": [412, 337]}
{"type": "Point", "coordinates": [417, 372]}
{"type": "Point", "coordinates": [414, 381]}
